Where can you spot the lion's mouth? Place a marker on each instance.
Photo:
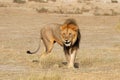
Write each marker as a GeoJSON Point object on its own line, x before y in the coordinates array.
{"type": "Point", "coordinates": [67, 43]}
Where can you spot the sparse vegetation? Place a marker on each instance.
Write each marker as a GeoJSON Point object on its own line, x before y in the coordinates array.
{"type": "Point", "coordinates": [83, 6]}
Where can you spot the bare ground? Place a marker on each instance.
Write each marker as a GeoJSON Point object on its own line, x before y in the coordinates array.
{"type": "Point", "coordinates": [98, 57]}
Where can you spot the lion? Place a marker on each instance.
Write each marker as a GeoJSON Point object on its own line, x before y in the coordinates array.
{"type": "Point", "coordinates": [66, 34]}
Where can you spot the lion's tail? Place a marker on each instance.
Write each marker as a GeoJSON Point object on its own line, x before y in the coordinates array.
{"type": "Point", "coordinates": [33, 52]}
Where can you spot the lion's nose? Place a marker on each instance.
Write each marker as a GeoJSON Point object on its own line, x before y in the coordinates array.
{"type": "Point", "coordinates": [67, 41]}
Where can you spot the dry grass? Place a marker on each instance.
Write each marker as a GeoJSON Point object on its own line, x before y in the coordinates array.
{"type": "Point", "coordinates": [42, 76]}
{"type": "Point", "coordinates": [50, 61]}
{"type": "Point", "coordinates": [31, 75]}
{"type": "Point", "coordinates": [118, 27]}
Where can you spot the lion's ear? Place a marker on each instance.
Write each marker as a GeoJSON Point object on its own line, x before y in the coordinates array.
{"type": "Point", "coordinates": [63, 27]}
{"type": "Point", "coordinates": [73, 27]}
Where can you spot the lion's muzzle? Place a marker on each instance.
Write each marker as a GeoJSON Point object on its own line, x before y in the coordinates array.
{"type": "Point", "coordinates": [67, 43]}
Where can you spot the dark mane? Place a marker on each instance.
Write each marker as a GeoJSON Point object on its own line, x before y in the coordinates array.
{"type": "Point", "coordinates": [70, 21]}
{"type": "Point", "coordinates": [77, 42]}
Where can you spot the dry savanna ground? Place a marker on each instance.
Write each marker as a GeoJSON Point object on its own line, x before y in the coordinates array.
{"type": "Point", "coordinates": [98, 57]}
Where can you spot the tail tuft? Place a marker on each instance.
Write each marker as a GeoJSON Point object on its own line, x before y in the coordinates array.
{"type": "Point", "coordinates": [28, 52]}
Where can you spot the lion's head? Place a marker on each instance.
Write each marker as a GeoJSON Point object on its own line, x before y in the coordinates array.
{"type": "Point", "coordinates": [69, 33]}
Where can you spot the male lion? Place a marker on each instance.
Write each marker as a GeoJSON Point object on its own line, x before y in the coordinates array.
{"type": "Point", "coordinates": [67, 35]}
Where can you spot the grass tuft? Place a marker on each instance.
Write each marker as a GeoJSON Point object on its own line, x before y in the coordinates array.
{"type": "Point", "coordinates": [50, 61]}
{"type": "Point", "coordinates": [42, 10]}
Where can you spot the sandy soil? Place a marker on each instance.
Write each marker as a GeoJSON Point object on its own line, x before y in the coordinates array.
{"type": "Point", "coordinates": [98, 57]}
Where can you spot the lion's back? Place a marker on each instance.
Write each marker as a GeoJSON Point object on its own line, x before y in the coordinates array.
{"type": "Point", "coordinates": [51, 30]}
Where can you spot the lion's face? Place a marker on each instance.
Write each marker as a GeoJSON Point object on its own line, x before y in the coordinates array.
{"type": "Point", "coordinates": [69, 35]}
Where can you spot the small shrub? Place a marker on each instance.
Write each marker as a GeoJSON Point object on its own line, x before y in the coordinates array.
{"type": "Point", "coordinates": [116, 11]}
{"type": "Point", "coordinates": [41, 1]}
{"type": "Point", "coordinates": [19, 1]}
{"type": "Point", "coordinates": [53, 0]}
{"type": "Point", "coordinates": [61, 11]}
{"type": "Point", "coordinates": [78, 11]}
{"type": "Point", "coordinates": [86, 8]}
{"type": "Point", "coordinates": [103, 12]}
{"type": "Point", "coordinates": [3, 5]}
{"type": "Point", "coordinates": [42, 10]}
{"type": "Point", "coordinates": [114, 1]}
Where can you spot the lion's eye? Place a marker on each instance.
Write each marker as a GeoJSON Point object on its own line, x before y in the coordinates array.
{"type": "Point", "coordinates": [70, 34]}
{"type": "Point", "coordinates": [63, 34]}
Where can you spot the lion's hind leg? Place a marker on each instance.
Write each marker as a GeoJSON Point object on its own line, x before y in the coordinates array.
{"type": "Point", "coordinates": [48, 46]}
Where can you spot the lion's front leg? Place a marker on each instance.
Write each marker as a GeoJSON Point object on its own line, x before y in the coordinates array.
{"type": "Point", "coordinates": [67, 55]}
{"type": "Point", "coordinates": [72, 58]}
